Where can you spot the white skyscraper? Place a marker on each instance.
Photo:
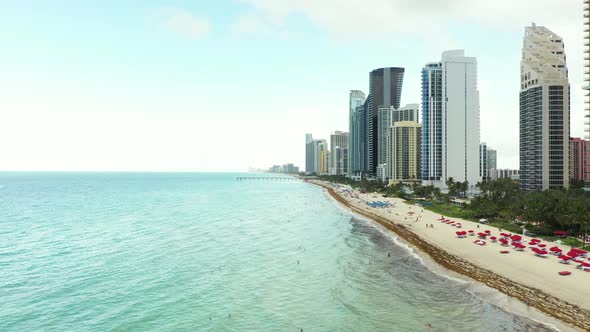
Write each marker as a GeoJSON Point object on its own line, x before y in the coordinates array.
{"type": "Point", "coordinates": [450, 119]}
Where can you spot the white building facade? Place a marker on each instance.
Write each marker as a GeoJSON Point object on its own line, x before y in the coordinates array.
{"type": "Point", "coordinates": [450, 120]}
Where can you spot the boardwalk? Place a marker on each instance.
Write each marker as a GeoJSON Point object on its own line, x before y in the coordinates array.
{"type": "Point", "coordinates": [267, 178]}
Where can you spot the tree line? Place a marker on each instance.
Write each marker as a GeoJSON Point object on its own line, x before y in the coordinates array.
{"type": "Point", "coordinates": [542, 212]}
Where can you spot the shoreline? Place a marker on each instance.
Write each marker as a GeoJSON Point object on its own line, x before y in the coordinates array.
{"type": "Point", "coordinates": [569, 314]}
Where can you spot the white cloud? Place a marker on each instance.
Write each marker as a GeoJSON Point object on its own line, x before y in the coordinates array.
{"type": "Point", "coordinates": [251, 23]}
{"type": "Point", "coordinates": [386, 16]}
{"type": "Point", "coordinates": [188, 25]}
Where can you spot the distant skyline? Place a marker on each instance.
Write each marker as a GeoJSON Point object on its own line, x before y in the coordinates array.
{"type": "Point", "coordinates": [225, 85]}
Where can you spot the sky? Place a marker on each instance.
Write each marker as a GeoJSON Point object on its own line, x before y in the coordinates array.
{"type": "Point", "coordinates": [223, 85]}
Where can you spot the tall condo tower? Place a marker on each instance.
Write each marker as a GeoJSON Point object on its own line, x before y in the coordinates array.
{"type": "Point", "coordinates": [544, 111]}
{"type": "Point", "coordinates": [450, 120]}
{"type": "Point", "coordinates": [356, 101]}
{"type": "Point", "coordinates": [483, 160]}
{"type": "Point", "coordinates": [587, 64]}
{"type": "Point", "coordinates": [389, 116]}
{"type": "Point", "coordinates": [385, 89]}
{"type": "Point", "coordinates": [404, 159]}
{"type": "Point", "coordinates": [309, 154]}
{"type": "Point", "coordinates": [491, 162]}
{"type": "Point", "coordinates": [587, 78]}
{"type": "Point", "coordinates": [339, 140]}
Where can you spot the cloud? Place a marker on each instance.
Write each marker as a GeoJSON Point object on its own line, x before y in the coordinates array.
{"type": "Point", "coordinates": [346, 17]}
{"type": "Point", "coordinates": [251, 23]}
{"type": "Point", "coordinates": [184, 23]}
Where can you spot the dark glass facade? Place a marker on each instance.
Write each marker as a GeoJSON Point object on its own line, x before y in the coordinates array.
{"type": "Point", "coordinates": [531, 139]}
{"type": "Point", "coordinates": [385, 89]}
{"type": "Point", "coordinates": [432, 122]}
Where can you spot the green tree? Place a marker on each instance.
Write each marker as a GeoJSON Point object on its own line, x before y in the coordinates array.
{"type": "Point", "coordinates": [453, 188]}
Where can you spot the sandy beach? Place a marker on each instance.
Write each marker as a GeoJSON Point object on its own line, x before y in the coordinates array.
{"type": "Point", "coordinates": [529, 278]}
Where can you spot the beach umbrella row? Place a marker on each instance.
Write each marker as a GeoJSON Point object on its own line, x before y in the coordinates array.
{"type": "Point", "coordinates": [537, 247]}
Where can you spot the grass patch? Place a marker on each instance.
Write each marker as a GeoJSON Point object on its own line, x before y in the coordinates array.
{"type": "Point", "coordinates": [449, 210]}
{"type": "Point", "coordinates": [507, 226]}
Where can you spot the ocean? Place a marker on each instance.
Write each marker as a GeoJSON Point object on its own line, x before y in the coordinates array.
{"type": "Point", "coordinates": [204, 252]}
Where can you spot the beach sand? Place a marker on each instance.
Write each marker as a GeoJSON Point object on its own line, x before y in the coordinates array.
{"type": "Point", "coordinates": [531, 279]}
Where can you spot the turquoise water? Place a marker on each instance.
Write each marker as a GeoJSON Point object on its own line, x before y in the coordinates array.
{"type": "Point", "coordinates": [204, 252]}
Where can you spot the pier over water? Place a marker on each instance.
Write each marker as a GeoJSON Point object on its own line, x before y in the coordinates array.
{"type": "Point", "coordinates": [267, 178]}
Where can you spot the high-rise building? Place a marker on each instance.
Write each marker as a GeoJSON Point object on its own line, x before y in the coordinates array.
{"type": "Point", "coordinates": [363, 123]}
{"type": "Point", "coordinates": [579, 150]}
{"type": "Point", "coordinates": [341, 156]}
{"type": "Point", "coordinates": [587, 77]}
{"type": "Point", "coordinates": [323, 157]}
{"type": "Point", "coordinates": [356, 101]}
{"type": "Point", "coordinates": [587, 64]}
{"type": "Point", "coordinates": [450, 120]}
{"type": "Point", "coordinates": [388, 117]}
{"type": "Point", "coordinates": [496, 174]}
{"type": "Point", "coordinates": [406, 113]}
{"type": "Point", "coordinates": [384, 117]}
{"type": "Point", "coordinates": [491, 160]}
{"type": "Point", "coordinates": [483, 160]}
{"type": "Point", "coordinates": [404, 162]}
{"type": "Point", "coordinates": [316, 155]}
{"type": "Point", "coordinates": [337, 139]}
{"type": "Point", "coordinates": [385, 88]}
{"type": "Point", "coordinates": [544, 111]}
{"type": "Point", "coordinates": [309, 154]}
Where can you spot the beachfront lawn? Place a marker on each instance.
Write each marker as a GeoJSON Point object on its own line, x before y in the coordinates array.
{"type": "Point", "coordinates": [450, 210]}
{"type": "Point", "coordinates": [507, 226]}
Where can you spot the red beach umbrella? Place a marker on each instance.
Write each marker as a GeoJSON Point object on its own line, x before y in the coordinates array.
{"type": "Point", "coordinates": [487, 231]}
{"type": "Point", "coordinates": [564, 273]}
{"type": "Point", "coordinates": [572, 253]}
{"type": "Point", "coordinates": [542, 245]}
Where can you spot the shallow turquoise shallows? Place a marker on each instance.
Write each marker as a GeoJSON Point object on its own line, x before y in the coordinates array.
{"type": "Point", "coordinates": [204, 252]}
